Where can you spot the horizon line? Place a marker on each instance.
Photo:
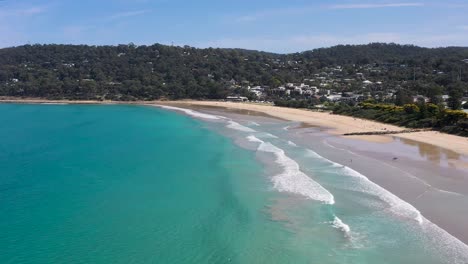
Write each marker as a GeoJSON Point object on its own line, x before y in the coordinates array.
{"type": "Point", "coordinates": [227, 48]}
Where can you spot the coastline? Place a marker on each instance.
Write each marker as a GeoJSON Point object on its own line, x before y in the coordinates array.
{"type": "Point", "coordinates": [430, 185]}
{"type": "Point", "coordinates": [338, 124]}
{"type": "Point", "coordinates": [334, 124]}
{"type": "Point", "coordinates": [423, 176]}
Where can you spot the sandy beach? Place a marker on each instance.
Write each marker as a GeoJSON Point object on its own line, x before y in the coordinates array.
{"type": "Point", "coordinates": [338, 124]}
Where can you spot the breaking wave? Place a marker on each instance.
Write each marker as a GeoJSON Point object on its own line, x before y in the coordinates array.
{"type": "Point", "coordinates": [192, 112]}
{"type": "Point", "coordinates": [237, 126]}
{"type": "Point", "coordinates": [292, 179]}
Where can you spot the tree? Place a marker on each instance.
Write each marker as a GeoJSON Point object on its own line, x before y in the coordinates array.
{"type": "Point", "coordinates": [402, 97]}
{"type": "Point", "coordinates": [455, 93]}
{"type": "Point", "coordinates": [434, 92]}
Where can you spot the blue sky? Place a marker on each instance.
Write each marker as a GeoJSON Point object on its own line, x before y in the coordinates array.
{"type": "Point", "coordinates": [270, 25]}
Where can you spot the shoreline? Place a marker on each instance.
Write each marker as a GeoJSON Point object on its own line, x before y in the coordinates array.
{"type": "Point", "coordinates": [339, 125]}
{"type": "Point", "coordinates": [333, 124]}
{"type": "Point", "coordinates": [415, 178]}
{"type": "Point", "coordinates": [412, 190]}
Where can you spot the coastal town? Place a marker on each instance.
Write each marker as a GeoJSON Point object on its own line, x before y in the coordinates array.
{"type": "Point", "coordinates": [336, 85]}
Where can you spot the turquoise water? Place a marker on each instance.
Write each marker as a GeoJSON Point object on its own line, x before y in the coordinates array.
{"type": "Point", "coordinates": [125, 184]}
{"type": "Point", "coordinates": [136, 184]}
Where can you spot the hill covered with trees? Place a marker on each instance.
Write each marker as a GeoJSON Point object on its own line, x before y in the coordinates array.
{"type": "Point", "coordinates": [130, 72]}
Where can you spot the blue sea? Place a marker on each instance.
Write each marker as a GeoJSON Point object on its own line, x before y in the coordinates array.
{"type": "Point", "coordinates": [142, 184]}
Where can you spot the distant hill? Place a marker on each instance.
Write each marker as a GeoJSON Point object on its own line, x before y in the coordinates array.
{"type": "Point", "coordinates": [127, 72]}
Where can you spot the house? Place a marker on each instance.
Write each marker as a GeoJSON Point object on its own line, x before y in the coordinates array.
{"type": "Point", "coordinates": [298, 90]}
{"type": "Point", "coordinates": [464, 100]}
{"type": "Point", "coordinates": [257, 90]}
{"type": "Point", "coordinates": [237, 98]}
{"type": "Point", "coordinates": [314, 89]}
{"type": "Point", "coordinates": [334, 97]}
{"type": "Point", "coordinates": [420, 98]}
{"type": "Point", "coordinates": [360, 76]}
{"type": "Point", "coordinates": [308, 92]}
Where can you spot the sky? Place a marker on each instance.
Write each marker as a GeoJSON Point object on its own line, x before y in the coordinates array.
{"type": "Point", "coordinates": [281, 26]}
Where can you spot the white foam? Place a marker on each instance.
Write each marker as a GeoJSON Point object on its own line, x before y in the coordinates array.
{"type": "Point", "coordinates": [452, 247]}
{"type": "Point", "coordinates": [237, 126]}
{"type": "Point", "coordinates": [292, 144]}
{"type": "Point", "coordinates": [266, 135]}
{"type": "Point", "coordinates": [254, 123]}
{"type": "Point", "coordinates": [286, 128]}
{"type": "Point", "coordinates": [252, 138]}
{"type": "Point", "coordinates": [191, 112]}
{"type": "Point", "coordinates": [292, 179]}
{"type": "Point", "coordinates": [397, 205]}
{"type": "Point", "coordinates": [338, 224]}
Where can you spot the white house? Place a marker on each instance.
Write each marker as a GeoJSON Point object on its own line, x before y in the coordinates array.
{"type": "Point", "coordinates": [237, 98]}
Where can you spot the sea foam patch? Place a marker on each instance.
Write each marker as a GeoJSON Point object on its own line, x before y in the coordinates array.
{"type": "Point", "coordinates": [397, 205]}
{"type": "Point", "coordinates": [452, 247]}
{"type": "Point", "coordinates": [237, 126]}
{"type": "Point", "coordinates": [192, 112]}
{"type": "Point", "coordinates": [292, 179]}
{"type": "Point", "coordinates": [338, 224]}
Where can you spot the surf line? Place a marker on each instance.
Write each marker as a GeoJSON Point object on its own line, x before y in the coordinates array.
{"type": "Point", "coordinates": [293, 180]}
{"type": "Point", "coordinates": [230, 123]}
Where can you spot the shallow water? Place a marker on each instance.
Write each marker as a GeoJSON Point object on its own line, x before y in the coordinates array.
{"type": "Point", "coordinates": [121, 184]}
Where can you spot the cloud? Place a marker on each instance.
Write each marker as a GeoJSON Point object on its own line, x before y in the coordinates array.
{"type": "Point", "coordinates": [129, 14]}
{"type": "Point", "coordinates": [22, 12]}
{"type": "Point", "coordinates": [309, 9]}
{"type": "Point", "coordinates": [272, 13]}
{"type": "Point", "coordinates": [369, 6]}
{"type": "Point", "coordinates": [32, 10]}
{"type": "Point", "coordinates": [463, 27]}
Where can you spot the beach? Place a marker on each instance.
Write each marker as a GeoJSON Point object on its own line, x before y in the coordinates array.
{"type": "Point", "coordinates": [338, 124]}
{"type": "Point", "coordinates": [422, 168]}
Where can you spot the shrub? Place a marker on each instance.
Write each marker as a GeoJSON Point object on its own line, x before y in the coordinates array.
{"type": "Point", "coordinates": [411, 108]}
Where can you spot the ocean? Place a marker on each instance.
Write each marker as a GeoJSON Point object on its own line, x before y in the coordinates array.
{"type": "Point", "coordinates": [141, 184]}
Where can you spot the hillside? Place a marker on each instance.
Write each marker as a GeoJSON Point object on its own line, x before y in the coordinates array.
{"type": "Point", "coordinates": [128, 72]}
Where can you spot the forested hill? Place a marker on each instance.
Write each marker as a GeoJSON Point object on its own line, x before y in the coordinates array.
{"type": "Point", "coordinates": [128, 72]}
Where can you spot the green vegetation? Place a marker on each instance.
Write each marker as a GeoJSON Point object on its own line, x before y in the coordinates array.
{"type": "Point", "coordinates": [420, 115]}
{"type": "Point", "coordinates": [130, 72]}
{"type": "Point", "coordinates": [392, 75]}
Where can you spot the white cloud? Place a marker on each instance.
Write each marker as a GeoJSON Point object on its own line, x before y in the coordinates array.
{"type": "Point", "coordinates": [369, 6]}
{"type": "Point", "coordinates": [129, 14]}
{"type": "Point", "coordinates": [281, 12]}
{"type": "Point", "coordinates": [272, 13]}
{"type": "Point", "coordinates": [22, 12]}
{"type": "Point", "coordinates": [33, 10]}
{"type": "Point", "coordinates": [14, 20]}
